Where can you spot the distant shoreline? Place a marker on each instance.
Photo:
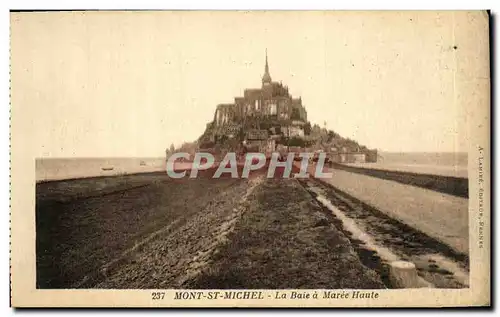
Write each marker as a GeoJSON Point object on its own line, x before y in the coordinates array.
{"type": "Point", "coordinates": [59, 169]}
{"type": "Point", "coordinates": [55, 169]}
{"type": "Point", "coordinates": [43, 181]}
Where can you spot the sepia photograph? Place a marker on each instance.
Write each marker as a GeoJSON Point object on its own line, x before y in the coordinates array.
{"type": "Point", "coordinates": [250, 158]}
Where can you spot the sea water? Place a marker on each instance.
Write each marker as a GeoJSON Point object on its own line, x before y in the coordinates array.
{"type": "Point", "coordinates": [66, 168]}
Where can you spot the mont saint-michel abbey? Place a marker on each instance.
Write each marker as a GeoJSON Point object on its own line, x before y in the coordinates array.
{"type": "Point", "coordinates": [260, 117]}
{"type": "Point", "coordinates": [272, 100]}
{"type": "Point", "coordinates": [270, 119]}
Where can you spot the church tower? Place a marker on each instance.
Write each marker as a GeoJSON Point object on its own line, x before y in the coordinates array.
{"type": "Point", "coordinates": [266, 79]}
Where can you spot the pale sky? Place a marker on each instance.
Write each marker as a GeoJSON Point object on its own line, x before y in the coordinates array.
{"type": "Point", "coordinates": [132, 83]}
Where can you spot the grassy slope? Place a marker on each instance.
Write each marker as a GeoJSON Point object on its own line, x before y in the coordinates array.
{"type": "Point", "coordinates": [82, 225]}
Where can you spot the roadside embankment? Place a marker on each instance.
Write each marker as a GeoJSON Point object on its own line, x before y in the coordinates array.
{"type": "Point", "coordinates": [86, 227]}
{"type": "Point", "coordinates": [441, 216]}
{"type": "Point", "coordinates": [440, 182]}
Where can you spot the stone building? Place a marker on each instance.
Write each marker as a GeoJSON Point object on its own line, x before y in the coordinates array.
{"type": "Point", "coordinates": [272, 100]}
{"type": "Point", "coordinates": [268, 119]}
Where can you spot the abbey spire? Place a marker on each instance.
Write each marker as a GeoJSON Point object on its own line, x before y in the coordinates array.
{"type": "Point", "coordinates": [266, 79]}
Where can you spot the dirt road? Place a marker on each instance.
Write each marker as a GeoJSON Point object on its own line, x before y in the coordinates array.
{"type": "Point", "coordinates": [149, 231]}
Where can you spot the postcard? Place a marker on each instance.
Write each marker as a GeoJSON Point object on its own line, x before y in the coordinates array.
{"type": "Point", "coordinates": [250, 159]}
